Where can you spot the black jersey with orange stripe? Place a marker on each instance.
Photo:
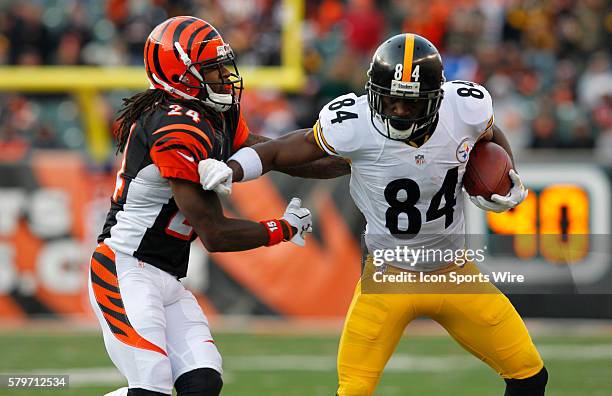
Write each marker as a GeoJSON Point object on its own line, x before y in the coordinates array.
{"type": "Point", "coordinates": [144, 220]}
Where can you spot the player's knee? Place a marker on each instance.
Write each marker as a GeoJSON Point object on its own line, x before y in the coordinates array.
{"type": "Point", "coordinates": [199, 382]}
{"type": "Point", "coordinates": [531, 386]}
{"type": "Point", "coordinates": [144, 392]}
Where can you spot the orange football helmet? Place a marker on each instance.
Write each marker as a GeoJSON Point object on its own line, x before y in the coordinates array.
{"type": "Point", "coordinates": [179, 51]}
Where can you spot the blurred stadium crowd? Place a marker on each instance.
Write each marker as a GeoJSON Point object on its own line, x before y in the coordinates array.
{"type": "Point", "coordinates": [547, 63]}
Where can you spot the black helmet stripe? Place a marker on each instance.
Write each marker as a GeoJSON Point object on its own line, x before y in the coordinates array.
{"type": "Point", "coordinates": [193, 36]}
{"type": "Point", "coordinates": [213, 34]}
{"type": "Point", "coordinates": [177, 35]}
{"type": "Point", "coordinates": [161, 33]}
{"type": "Point", "coordinates": [146, 51]}
{"type": "Point", "coordinates": [162, 75]}
{"type": "Point", "coordinates": [158, 67]}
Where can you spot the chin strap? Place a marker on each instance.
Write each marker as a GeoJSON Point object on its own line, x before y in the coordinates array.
{"type": "Point", "coordinates": [216, 101]}
{"type": "Point", "coordinates": [398, 133]}
{"type": "Point", "coordinates": [394, 133]}
{"type": "Point", "coordinates": [219, 102]}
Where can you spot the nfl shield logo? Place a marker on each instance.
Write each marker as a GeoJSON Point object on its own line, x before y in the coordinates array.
{"type": "Point", "coordinates": [419, 159]}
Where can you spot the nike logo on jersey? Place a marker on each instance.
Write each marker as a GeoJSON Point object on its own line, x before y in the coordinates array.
{"type": "Point", "coordinates": [187, 157]}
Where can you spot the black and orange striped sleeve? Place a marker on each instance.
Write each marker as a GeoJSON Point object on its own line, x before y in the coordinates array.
{"type": "Point", "coordinates": [179, 146]}
{"type": "Point", "coordinates": [241, 134]}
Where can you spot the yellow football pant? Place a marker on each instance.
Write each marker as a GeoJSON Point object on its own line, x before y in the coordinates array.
{"type": "Point", "coordinates": [485, 324]}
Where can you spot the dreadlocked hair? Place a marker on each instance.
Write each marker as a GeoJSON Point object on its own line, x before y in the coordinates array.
{"type": "Point", "coordinates": [141, 105]}
{"type": "Point", "coordinates": [135, 107]}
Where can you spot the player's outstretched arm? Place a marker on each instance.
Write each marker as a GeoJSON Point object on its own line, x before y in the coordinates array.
{"type": "Point", "coordinates": [323, 167]}
{"type": "Point", "coordinates": [296, 153]}
{"type": "Point", "coordinates": [219, 233]}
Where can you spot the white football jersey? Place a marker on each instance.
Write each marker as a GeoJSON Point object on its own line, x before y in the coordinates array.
{"type": "Point", "coordinates": [409, 196]}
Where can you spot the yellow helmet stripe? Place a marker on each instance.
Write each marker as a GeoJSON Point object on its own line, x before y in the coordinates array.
{"type": "Point", "coordinates": [408, 51]}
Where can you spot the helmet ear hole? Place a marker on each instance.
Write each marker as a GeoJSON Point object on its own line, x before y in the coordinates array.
{"type": "Point", "coordinates": [175, 78]}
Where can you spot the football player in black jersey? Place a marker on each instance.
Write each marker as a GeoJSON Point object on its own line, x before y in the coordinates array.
{"type": "Point", "coordinates": [154, 330]}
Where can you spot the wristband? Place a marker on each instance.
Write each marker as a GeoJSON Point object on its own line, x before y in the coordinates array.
{"type": "Point", "coordinates": [275, 231]}
{"type": "Point", "coordinates": [289, 230]}
{"type": "Point", "coordinates": [249, 162]}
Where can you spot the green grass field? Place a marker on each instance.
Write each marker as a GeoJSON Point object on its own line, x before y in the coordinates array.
{"type": "Point", "coordinates": [275, 365]}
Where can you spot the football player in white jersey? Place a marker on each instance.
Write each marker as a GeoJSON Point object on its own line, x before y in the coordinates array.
{"type": "Point", "coordinates": [407, 142]}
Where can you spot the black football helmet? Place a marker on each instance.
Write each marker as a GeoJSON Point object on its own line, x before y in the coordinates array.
{"type": "Point", "coordinates": [405, 67]}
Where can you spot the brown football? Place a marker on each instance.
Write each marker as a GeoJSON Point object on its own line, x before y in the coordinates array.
{"type": "Point", "coordinates": [487, 170]}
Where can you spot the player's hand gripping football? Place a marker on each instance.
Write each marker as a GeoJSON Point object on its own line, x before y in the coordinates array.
{"type": "Point", "coordinates": [300, 218]}
{"type": "Point", "coordinates": [498, 203]}
{"type": "Point", "coordinates": [216, 176]}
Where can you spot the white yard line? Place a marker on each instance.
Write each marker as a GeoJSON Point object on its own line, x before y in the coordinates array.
{"type": "Point", "coordinates": [576, 352]}
{"type": "Point", "coordinates": [327, 363]}
{"type": "Point", "coordinates": [398, 363]}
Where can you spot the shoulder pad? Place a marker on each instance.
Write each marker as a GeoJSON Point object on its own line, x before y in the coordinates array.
{"type": "Point", "coordinates": [336, 131]}
{"type": "Point", "coordinates": [179, 138]}
{"type": "Point", "coordinates": [176, 113]}
{"type": "Point", "coordinates": [472, 104]}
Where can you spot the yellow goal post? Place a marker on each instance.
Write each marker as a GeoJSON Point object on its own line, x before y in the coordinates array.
{"type": "Point", "coordinates": [86, 83]}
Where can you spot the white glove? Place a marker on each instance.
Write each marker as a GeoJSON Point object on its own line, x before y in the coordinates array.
{"type": "Point", "coordinates": [299, 218]}
{"type": "Point", "coordinates": [499, 204]}
{"type": "Point", "coordinates": [216, 176]}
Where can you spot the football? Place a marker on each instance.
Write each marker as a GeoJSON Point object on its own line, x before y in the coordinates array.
{"type": "Point", "coordinates": [487, 171]}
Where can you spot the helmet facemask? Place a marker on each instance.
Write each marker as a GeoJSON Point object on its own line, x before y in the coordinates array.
{"type": "Point", "coordinates": [423, 107]}
{"type": "Point", "coordinates": [405, 87]}
{"type": "Point", "coordinates": [221, 94]}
